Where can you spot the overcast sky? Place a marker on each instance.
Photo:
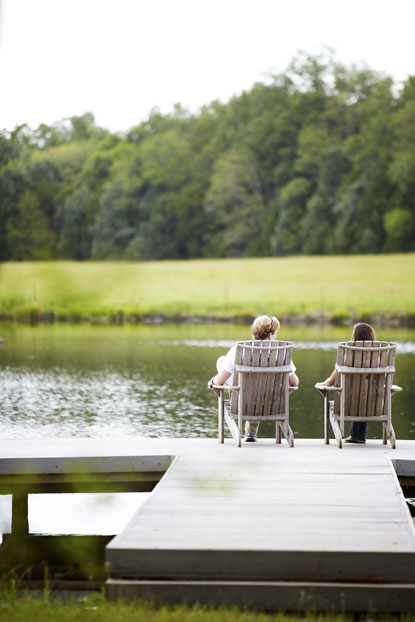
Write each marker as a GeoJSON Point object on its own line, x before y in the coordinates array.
{"type": "Point", "coordinates": [120, 58]}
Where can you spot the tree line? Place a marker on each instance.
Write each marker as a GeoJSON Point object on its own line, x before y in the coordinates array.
{"type": "Point", "coordinates": [316, 160]}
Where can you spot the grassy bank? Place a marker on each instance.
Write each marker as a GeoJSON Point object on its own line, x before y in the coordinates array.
{"type": "Point", "coordinates": [95, 608]}
{"type": "Point", "coordinates": [329, 287]}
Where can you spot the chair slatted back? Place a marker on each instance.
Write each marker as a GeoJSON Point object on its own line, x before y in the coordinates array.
{"type": "Point", "coordinates": [364, 394]}
{"type": "Point", "coordinates": [265, 392]}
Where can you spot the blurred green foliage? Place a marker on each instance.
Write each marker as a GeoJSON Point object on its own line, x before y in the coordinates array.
{"type": "Point", "coordinates": [94, 607]}
{"type": "Point", "coordinates": [316, 160]}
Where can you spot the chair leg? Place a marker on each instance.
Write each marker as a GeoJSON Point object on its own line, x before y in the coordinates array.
{"type": "Point", "coordinates": [221, 423]}
{"type": "Point", "coordinates": [288, 433]}
{"type": "Point", "coordinates": [277, 432]}
{"type": "Point", "coordinates": [290, 437]}
{"type": "Point", "coordinates": [239, 428]}
{"type": "Point", "coordinates": [326, 420]}
{"type": "Point", "coordinates": [385, 434]}
{"type": "Point", "coordinates": [336, 430]}
{"type": "Point", "coordinates": [392, 437]}
{"type": "Point", "coordinates": [233, 428]}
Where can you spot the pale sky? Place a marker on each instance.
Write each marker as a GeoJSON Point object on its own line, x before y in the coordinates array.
{"type": "Point", "coordinates": [119, 59]}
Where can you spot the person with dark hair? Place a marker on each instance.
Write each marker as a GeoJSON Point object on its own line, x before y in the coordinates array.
{"type": "Point", "coordinates": [361, 332]}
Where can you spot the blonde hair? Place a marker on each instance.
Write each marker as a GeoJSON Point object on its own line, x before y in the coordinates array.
{"type": "Point", "coordinates": [363, 332]}
{"type": "Point", "coordinates": [263, 326]}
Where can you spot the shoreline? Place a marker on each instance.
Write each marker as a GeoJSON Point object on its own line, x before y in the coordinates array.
{"type": "Point", "coordinates": [312, 319]}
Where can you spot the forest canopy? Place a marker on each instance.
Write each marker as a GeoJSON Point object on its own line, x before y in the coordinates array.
{"type": "Point", "coordinates": [316, 160]}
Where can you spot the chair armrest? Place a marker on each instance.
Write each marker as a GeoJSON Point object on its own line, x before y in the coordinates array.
{"type": "Point", "coordinates": [220, 389]}
{"type": "Point", "coordinates": [325, 387]}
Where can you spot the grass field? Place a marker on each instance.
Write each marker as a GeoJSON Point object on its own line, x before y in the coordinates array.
{"type": "Point", "coordinates": [95, 609]}
{"type": "Point", "coordinates": [333, 287]}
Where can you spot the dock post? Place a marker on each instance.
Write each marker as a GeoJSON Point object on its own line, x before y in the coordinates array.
{"type": "Point", "coordinates": [20, 513]}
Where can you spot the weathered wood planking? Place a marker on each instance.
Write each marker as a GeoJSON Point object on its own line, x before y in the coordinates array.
{"type": "Point", "coordinates": [333, 524]}
{"type": "Point", "coordinates": [363, 388]}
{"type": "Point", "coordinates": [277, 515]}
{"type": "Point", "coordinates": [261, 388]}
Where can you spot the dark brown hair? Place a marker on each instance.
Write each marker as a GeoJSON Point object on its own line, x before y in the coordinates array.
{"type": "Point", "coordinates": [363, 332]}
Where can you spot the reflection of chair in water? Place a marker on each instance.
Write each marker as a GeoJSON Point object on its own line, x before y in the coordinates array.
{"type": "Point", "coordinates": [259, 389]}
{"type": "Point", "coordinates": [363, 388]}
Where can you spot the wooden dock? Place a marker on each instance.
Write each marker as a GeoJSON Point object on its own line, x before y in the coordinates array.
{"type": "Point", "coordinates": [263, 526]}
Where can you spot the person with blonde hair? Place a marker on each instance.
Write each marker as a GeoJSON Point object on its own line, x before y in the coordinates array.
{"type": "Point", "coordinates": [263, 327]}
{"type": "Point", "coordinates": [361, 332]}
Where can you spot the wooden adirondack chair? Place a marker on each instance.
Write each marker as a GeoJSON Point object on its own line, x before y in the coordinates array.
{"type": "Point", "coordinates": [259, 390]}
{"type": "Point", "coordinates": [363, 388]}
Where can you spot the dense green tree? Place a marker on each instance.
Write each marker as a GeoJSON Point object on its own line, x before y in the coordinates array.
{"type": "Point", "coordinates": [8, 149]}
{"type": "Point", "coordinates": [286, 238]}
{"type": "Point", "coordinates": [319, 219]}
{"type": "Point", "coordinates": [75, 239]}
{"type": "Point", "coordinates": [402, 172]}
{"type": "Point", "coordinates": [97, 168]}
{"type": "Point", "coordinates": [399, 226]}
{"type": "Point", "coordinates": [235, 202]}
{"type": "Point", "coordinates": [115, 223]}
{"type": "Point", "coordinates": [28, 233]}
{"type": "Point", "coordinates": [317, 159]}
{"type": "Point", "coordinates": [13, 182]}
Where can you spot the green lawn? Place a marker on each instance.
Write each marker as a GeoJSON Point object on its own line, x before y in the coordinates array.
{"type": "Point", "coordinates": [96, 609]}
{"type": "Point", "coordinates": [335, 286]}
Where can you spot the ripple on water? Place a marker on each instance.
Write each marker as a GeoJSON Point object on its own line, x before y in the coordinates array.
{"type": "Point", "coordinates": [57, 403]}
{"type": "Point", "coordinates": [153, 398]}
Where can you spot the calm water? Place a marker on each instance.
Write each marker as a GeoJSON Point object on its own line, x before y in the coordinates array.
{"type": "Point", "coordinates": [86, 381]}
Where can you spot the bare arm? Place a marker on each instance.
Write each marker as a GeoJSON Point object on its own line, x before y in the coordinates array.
{"type": "Point", "coordinates": [330, 380]}
{"type": "Point", "coordinates": [220, 378]}
{"type": "Point", "coordinates": [294, 380]}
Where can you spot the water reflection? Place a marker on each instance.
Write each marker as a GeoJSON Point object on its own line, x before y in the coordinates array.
{"type": "Point", "coordinates": [84, 381]}
{"type": "Point", "coordinates": [83, 514]}
{"type": "Point", "coordinates": [75, 513]}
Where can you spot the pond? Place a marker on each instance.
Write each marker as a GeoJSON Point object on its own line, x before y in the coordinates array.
{"type": "Point", "coordinates": [64, 380]}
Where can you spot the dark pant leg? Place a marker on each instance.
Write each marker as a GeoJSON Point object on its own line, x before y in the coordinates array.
{"type": "Point", "coordinates": [358, 430]}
